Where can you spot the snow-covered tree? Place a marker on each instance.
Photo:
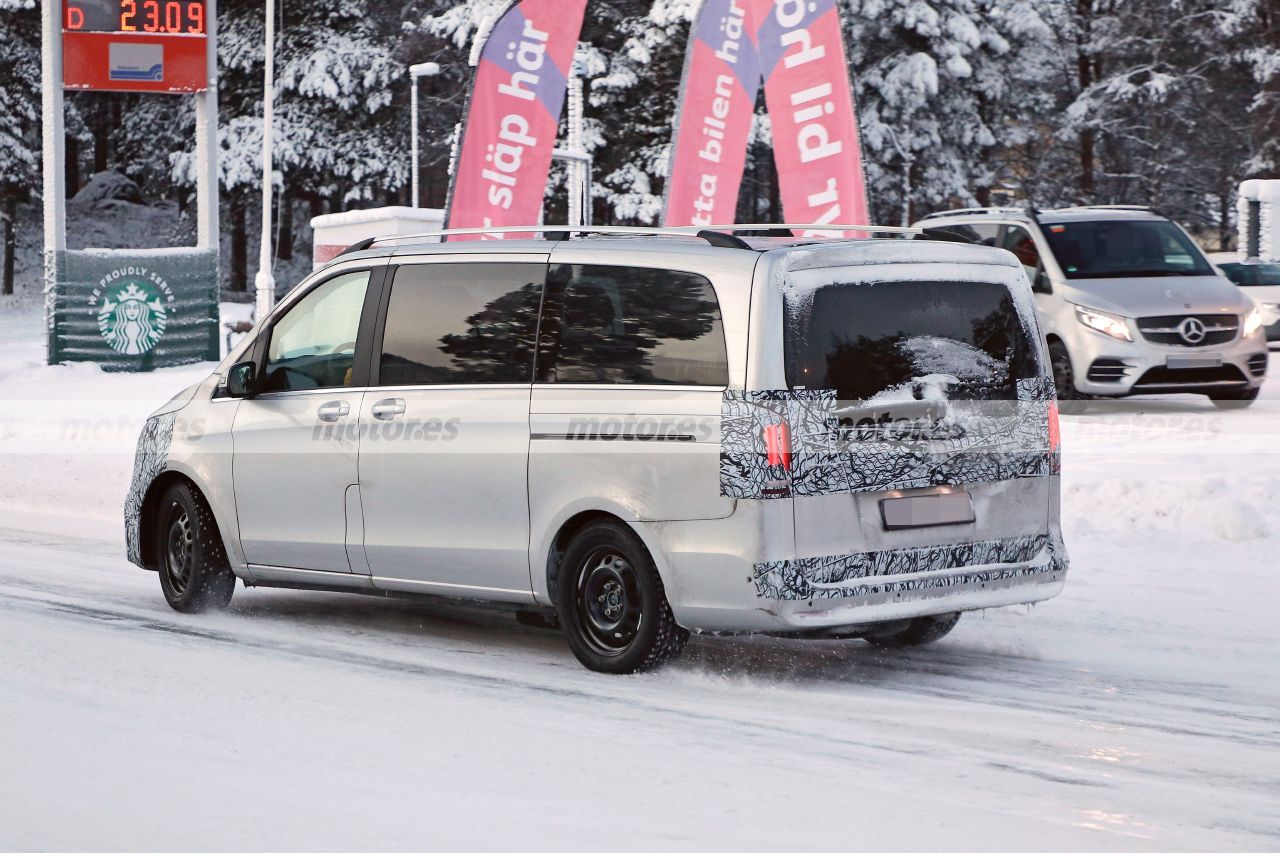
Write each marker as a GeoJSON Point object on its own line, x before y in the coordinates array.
{"type": "Point", "coordinates": [1176, 102]}
{"type": "Point", "coordinates": [945, 89]}
{"type": "Point", "coordinates": [19, 118]}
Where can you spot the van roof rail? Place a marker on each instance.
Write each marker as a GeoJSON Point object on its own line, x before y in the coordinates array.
{"type": "Point", "coordinates": [1145, 208]}
{"type": "Point", "coordinates": [985, 211]}
{"type": "Point", "coordinates": [717, 235]}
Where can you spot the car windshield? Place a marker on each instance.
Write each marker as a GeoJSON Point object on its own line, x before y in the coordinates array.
{"type": "Point", "coordinates": [1253, 275]}
{"type": "Point", "coordinates": [1124, 249]}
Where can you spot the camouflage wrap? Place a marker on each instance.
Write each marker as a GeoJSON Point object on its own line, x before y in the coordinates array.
{"type": "Point", "coordinates": [148, 462]}
{"type": "Point", "coordinates": [983, 442]}
{"type": "Point", "coordinates": [993, 561]}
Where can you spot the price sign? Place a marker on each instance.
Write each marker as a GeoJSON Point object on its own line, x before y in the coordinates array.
{"type": "Point", "coordinates": [176, 17]}
{"type": "Point", "coordinates": [135, 45]}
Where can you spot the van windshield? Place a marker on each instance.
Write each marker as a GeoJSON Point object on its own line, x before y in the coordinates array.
{"type": "Point", "coordinates": [922, 340]}
{"type": "Point", "coordinates": [1123, 248]}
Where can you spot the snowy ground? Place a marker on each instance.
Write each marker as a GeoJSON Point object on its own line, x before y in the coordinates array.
{"type": "Point", "coordinates": [1140, 710]}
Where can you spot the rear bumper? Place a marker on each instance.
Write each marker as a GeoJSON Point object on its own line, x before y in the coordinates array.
{"type": "Point", "coordinates": [968, 588]}
{"type": "Point", "coordinates": [726, 592]}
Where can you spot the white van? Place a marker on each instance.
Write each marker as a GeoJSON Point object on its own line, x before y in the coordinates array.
{"type": "Point", "coordinates": [634, 436]}
{"type": "Point", "coordinates": [1128, 302]}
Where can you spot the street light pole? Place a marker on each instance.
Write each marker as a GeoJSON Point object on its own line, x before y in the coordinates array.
{"type": "Point", "coordinates": [264, 282]}
{"type": "Point", "coordinates": [422, 69]}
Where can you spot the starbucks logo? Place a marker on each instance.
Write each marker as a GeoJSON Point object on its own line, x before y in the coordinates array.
{"type": "Point", "coordinates": [132, 316]}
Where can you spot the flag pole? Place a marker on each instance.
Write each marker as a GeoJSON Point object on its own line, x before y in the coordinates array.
{"type": "Point", "coordinates": [264, 281]}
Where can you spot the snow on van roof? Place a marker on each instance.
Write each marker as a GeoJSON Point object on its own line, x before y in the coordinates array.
{"type": "Point", "coordinates": [802, 271]}
{"type": "Point", "coordinates": [874, 252]}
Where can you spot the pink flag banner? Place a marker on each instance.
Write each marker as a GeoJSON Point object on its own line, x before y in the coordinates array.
{"type": "Point", "coordinates": [509, 132]}
{"type": "Point", "coordinates": [795, 48]}
{"type": "Point", "coordinates": [810, 100]}
{"type": "Point", "coordinates": [713, 121]}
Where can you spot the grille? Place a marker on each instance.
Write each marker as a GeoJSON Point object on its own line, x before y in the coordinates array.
{"type": "Point", "coordinates": [1218, 329]}
{"type": "Point", "coordinates": [1258, 364]}
{"type": "Point", "coordinates": [1191, 376]}
{"type": "Point", "coordinates": [1107, 370]}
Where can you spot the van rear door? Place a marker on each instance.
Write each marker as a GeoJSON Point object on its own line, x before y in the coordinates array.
{"type": "Point", "coordinates": [938, 432]}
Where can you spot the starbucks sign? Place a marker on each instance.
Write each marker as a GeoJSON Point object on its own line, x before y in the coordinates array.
{"type": "Point", "coordinates": [133, 311]}
{"type": "Point", "coordinates": [136, 310]}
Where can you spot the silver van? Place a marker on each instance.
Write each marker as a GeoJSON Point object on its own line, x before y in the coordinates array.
{"type": "Point", "coordinates": [1128, 302]}
{"type": "Point", "coordinates": [633, 436]}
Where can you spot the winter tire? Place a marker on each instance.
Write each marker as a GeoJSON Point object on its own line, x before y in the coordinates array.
{"type": "Point", "coordinates": [612, 605]}
{"type": "Point", "coordinates": [194, 571]}
{"type": "Point", "coordinates": [921, 632]}
{"type": "Point", "coordinates": [1064, 378]}
{"type": "Point", "coordinates": [1235, 399]}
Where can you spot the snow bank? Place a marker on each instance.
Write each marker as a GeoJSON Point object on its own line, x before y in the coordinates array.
{"type": "Point", "coordinates": [1235, 509]}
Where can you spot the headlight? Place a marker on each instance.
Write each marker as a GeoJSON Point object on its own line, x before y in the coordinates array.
{"type": "Point", "coordinates": [1252, 322]}
{"type": "Point", "coordinates": [1108, 324]}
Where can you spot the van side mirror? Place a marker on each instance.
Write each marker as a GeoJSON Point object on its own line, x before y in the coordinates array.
{"type": "Point", "coordinates": [1041, 283]}
{"type": "Point", "coordinates": [241, 379]}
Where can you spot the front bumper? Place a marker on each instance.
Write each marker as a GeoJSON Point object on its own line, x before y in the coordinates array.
{"type": "Point", "coordinates": [1106, 367]}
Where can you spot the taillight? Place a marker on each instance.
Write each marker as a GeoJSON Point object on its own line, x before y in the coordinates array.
{"type": "Point", "coordinates": [1055, 431]}
{"type": "Point", "coordinates": [777, 443]}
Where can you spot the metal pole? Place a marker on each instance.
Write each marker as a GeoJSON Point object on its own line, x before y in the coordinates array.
{"type": "Point", "coordinates": [574, 144]}
{"type": "Point", "coordinates": [54, 175]}
{"type": "Point", "coordinates": [264, 282]}
{"type": "Point", "coordinates": [422, 69]}
{"type": "Point", "coordinates": [207, 141]}
{"type": "Point", "coordinates": [413, 136]}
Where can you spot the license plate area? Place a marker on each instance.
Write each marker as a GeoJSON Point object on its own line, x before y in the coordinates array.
{"type": "Point", "coordinates": [934, 510]}
{"type": "Point", "coordinates": [1192, 362]}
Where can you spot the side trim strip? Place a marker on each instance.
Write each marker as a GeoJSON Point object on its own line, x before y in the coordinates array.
{"type": "Point", "coordinates": [453, 590]}
{"type": "Point", "coordinates": [309, 576]}
{"type": "Point", "coordinates": [608, 436]}
{"type": "Point", "coordinates": [312, 577]}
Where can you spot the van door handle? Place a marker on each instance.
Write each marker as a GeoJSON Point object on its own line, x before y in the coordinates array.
{"type": "Point", "coordinates": [334, 410]}
{"type": "Point", "coordinates": [385, 410]}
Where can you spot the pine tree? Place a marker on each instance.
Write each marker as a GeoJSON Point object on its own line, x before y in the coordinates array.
{"type": "Point", "coordinates": [1178, 102]}
{"type": "Point", "coordinates": [944, 91]}
{"type": "Point", "coordinates": [19, 119]}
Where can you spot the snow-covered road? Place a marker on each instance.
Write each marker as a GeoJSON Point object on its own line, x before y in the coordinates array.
{"type": "Point", "coordinates": [1139, 710]}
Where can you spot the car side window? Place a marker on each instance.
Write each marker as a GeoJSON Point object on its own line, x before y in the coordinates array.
{"type": "Point", "coordinates": [631, 325]}
{"type": "Point", "coordinates": [1019, 241]}
{"type": "Point", "coordinates": [314, 344]}
{"type": "Point", "coordinates": [982, 233]}
{"type": "Point", "coordinates": [461, 324]}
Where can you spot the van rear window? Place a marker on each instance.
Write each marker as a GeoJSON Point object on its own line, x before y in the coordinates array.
{"type": "Point", "coordinates": [910, 339]}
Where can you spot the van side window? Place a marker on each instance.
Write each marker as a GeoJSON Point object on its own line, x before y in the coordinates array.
{"type": "Point", "coordinates": [314, 344]}
{"type": "Point", "coordinates": [1019, 241]}
{"type": "Point", "coordinates": [461, 324]}
{"type": "Point", "coordinates": [630, 325]}
{"type": "Point", "coordinates": [982, 233]}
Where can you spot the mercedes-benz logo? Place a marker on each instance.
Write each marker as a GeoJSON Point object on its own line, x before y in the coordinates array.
{"type": "Point", "coordinates": [1192, 330]}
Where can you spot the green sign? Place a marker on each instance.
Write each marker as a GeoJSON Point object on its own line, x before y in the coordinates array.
{"type": "Point", "coordinates": [135, 310]}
